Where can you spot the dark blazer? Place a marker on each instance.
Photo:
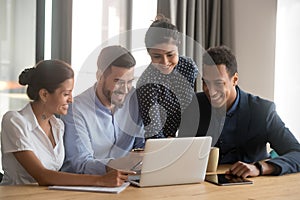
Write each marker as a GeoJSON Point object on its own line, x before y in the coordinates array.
{"type": "Point", "coordinates": [257, 124]}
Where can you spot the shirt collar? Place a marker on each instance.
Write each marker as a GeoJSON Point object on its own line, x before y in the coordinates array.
{"type": "Point", "coordinates": [27, 112]}
{"type": "Point", "coordinates": [233, 108]}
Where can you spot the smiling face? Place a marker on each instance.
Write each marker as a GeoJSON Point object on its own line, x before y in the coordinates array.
{"type": "Point", "coordinates": [114, 85]}
{"type": "Point", "coordinates": [58, 102]}
{"type": "Point", "coordinates": [164, 57]}
{"type": "Point", "coordinates": [218, 86]}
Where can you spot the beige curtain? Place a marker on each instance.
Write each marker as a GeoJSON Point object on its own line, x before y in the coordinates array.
{"type": "Point", "coordinates": [205, 23]}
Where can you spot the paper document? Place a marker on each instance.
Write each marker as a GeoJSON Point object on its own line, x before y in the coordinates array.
{"type": "Point", "coordinates": [92, 188]}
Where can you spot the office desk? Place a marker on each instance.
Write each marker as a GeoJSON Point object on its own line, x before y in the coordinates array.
{"type": "Point", "coordinates": [265, 187]}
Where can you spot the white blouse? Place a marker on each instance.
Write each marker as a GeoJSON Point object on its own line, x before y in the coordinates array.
{"type": "Point", "coordinates": [21, 132]}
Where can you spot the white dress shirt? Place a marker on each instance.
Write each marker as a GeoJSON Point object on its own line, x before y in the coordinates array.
{"type": "Point", "coordinates": [21, 132]}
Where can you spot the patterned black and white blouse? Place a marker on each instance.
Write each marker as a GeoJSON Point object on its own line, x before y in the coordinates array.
{"type": "Point", "coordinates": [163, 98]}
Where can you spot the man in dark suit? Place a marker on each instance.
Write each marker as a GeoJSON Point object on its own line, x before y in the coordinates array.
{"type": "Point", "coordinates": [240, 123]}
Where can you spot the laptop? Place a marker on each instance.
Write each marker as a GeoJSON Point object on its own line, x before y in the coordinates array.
{"type": "Point", "coordinates": [170, 161]}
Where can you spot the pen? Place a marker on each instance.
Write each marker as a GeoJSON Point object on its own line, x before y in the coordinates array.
{"type": "Point", "coordinates": [136, 165]}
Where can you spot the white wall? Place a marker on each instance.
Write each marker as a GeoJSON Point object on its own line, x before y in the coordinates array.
{"type": "Point", "coordinates": [287, 88]}
{"type": "Point", "coordinates": [254, 45]}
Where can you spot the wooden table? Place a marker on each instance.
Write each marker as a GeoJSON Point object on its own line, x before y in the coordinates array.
{"type": "Point", "coordinates": [264, 187]}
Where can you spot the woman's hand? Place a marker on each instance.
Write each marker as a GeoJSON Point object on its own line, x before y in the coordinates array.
{"type": "Point", "coordinates": [115, 178]}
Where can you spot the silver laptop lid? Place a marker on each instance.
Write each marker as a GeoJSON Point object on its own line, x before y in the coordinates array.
{"type": "Point", "coordinates": [171, 161]}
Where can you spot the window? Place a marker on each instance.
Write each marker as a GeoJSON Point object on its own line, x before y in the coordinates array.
{"type": "Point", "coordinates": [141, 21]}
{"type": "Point", "coordinates": [101, 23]}
{"type": "Point", "coordinates": [287, 71]}
{"type": "Point", "coordinates": [17, 51]}
{"type": "Point", "coordinates": [95, 23]}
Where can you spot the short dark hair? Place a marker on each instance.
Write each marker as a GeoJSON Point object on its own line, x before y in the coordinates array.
{"type": "Point", "coordinates": [161, 31]}
{"type": "Point", "coordinates": [221, 55]}
{"type": "Point", "coordinates": [46, 74]}
{"type": "Point", "coordinates": [115, 55]}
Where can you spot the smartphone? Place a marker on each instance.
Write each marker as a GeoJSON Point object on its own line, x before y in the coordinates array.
{"type": "Point", "coordinates": [226, 179]}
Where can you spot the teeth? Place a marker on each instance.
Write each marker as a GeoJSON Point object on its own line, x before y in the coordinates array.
{"type": "Point", "coordinates": [166, 66]}
{"type": "Point", "coordinates": [120, 96]}
{"type": "Point", "coordinates": [215, 98]}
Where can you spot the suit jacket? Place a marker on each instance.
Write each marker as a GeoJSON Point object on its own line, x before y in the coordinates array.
{"type": "Point", "coordinates": [257, 124]}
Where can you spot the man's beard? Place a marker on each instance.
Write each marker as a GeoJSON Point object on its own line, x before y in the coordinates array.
{"type": "Point", "coordinates": [108, 94]}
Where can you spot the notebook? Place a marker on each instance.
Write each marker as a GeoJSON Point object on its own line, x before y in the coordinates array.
{"type": "Point", "coordinates": [170, 161]}
{"type": "Point", "coordinates": [91, 188]}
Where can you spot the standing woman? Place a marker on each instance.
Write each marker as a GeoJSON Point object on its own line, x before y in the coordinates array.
{"type": "Point", "coordinates": [166, 87]}
{"type": "Point", "coordinates": [32, 138]}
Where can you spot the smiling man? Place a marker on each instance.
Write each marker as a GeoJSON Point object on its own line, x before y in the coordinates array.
{"type": "Point", "coordinates": [241, 123]}
{"type": "Point", "coordinates": [103, 122]}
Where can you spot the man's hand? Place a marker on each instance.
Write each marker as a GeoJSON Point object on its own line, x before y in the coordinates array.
{"type": "Point", "coordinates": [242, 169]}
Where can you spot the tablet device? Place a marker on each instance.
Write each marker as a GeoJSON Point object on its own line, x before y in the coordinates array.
{"type": "Point", "coordinates": [226, 179]}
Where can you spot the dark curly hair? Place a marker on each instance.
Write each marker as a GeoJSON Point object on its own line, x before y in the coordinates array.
{"type": "Point", "coordinates": [221, 55]}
